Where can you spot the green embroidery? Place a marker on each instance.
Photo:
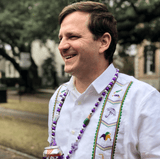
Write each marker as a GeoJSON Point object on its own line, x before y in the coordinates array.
{"type": "Point", "coordinates": [62, 91]}
{"type": "Point", "coordinates": [106, 136]}
{"type": "Point", "coordinates": [117, 91]}
{"type": "Point", "coordinates": [118, 121]}
{"type": "Point", "coordinates": [98, 126]}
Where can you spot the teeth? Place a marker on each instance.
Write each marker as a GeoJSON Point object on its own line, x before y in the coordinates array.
{"type": "Point", "coordinates": [67, 57]}
{"type": "Point", "coordinates": [70, 56]}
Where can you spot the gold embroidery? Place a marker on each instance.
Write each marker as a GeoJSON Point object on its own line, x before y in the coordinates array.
{"type": "Point", "coordinates": [102, 156]}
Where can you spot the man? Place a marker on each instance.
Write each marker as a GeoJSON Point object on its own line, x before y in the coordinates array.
{"type": "Point", "coordinates": [99, 113]}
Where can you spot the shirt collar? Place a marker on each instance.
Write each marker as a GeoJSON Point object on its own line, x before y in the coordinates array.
{"type": "Point", "coordinates": [104, 79]}
{"type": "Point", "coordinates": [71, 85]}
{"type": "Point", "coordinates": [99, 83]}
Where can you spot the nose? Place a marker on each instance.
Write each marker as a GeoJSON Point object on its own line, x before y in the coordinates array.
{"type": "Point", "coordinates": [63, 46]}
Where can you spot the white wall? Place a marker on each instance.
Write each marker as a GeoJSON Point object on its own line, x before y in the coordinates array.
{"type": "Point", "coordinates": [40, 53]}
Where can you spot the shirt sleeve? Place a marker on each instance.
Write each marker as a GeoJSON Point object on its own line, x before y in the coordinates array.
{"type": "Point", "coordinates": [149, 126]}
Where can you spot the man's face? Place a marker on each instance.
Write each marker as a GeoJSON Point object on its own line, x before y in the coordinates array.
{"type": "Point", "coordinates": [77, 47]}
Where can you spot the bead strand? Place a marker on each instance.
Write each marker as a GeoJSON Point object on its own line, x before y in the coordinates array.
{"type": "Point", "coordinates": [87, 120]}
{"type": "Point", "coordinates": [56, 117]}
{"type": "Point", "coordinates": [74, 146]}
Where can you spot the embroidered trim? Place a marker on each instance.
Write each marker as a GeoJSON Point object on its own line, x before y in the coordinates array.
{"type": "Point", "coordinates": [114, 102]}
{"type": "Point", "coordinates": [104, 148]}
{"type": "Point", "coordinates": [97, 130]}
{"type": "Point", "coordinates": [55, 101]}
{"type": "Point", "coordinates": [108, 125]}
{"type": "Point", "coordinates": [120, 84]}
{"type": "Point", "coordinates": [119, 120]}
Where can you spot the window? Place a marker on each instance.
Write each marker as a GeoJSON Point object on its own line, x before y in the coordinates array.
{"type": "Point", "coordinates": [149, 57]}
{"type": "Point", "coordinates": [63, 73]}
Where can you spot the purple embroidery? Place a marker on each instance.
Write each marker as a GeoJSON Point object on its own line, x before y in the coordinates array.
{"type": "Point", "coordinates": [106, 136]}
{"type": "Point", "coordinates": [116, 95]}
{"type": "Point", "coordinates": [112, 111]}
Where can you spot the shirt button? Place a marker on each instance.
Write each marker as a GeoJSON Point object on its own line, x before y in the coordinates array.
{"type": "Point", "coordinates": [73, 132]}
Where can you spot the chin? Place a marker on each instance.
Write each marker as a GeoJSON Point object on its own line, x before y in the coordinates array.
{"type": "Point", "coordinates": [69, 71]}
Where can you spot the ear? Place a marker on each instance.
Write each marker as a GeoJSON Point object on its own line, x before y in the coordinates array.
{"type": "Point", "coordinates": [105, 41]}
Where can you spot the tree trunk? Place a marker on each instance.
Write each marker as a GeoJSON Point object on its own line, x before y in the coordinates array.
{"type": "Point", "coordinates": [29, 78]}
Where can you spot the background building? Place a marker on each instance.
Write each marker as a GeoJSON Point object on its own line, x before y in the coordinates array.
{"type": "Point", "coordinates": [147, 63]}
{"type": "Point", "coordinates": [39, 52]}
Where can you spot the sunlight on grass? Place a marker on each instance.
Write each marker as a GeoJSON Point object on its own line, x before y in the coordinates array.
{"type": "Point", "coordinates": [23, 136]}
{"type": "Point", "coordinates": [39, 108]}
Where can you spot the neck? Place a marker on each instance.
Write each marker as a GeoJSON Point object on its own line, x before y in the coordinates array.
{"type": "Point", "coordinates": [82, 82]}
{"type": "Point", "coordinates": [82, 85]}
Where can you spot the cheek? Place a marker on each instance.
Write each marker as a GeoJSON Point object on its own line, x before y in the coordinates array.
{"type": "Point", "coordinates": [86, 50]}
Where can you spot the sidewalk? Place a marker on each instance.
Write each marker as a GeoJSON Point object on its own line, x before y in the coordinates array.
{"type": "Point", "coordinates": [7, 153]}
{"type": "Point", "coordinates": [36, 118]}
{"type": "Point", "coordinates": [42, 96]}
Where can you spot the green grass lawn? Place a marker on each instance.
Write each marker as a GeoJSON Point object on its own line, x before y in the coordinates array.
{"type": "Point", "coordinates": [39, 108]}
{"type": "Point", "coordinates": [24, 136]}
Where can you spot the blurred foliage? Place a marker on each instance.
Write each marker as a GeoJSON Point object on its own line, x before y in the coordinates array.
{"type": "Point", "coordinates": [136, 19]}
{"type": "Point", "coordinates": [21, 22]}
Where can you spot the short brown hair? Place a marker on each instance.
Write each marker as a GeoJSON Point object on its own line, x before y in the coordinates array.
{"type": "Point", "coordinates": [101, 21]}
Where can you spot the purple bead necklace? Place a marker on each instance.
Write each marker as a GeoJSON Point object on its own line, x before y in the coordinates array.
{"type": "Point", "coordinates": [74, 146]}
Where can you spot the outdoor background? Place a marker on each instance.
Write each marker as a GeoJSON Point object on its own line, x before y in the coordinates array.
{"type": "Point", "coordinates": [30, 74]}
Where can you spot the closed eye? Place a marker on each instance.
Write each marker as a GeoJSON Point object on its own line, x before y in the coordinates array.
{"type": "Point", "coordinates": [73, 37]}
{"type": "Point", "coordinates": [69, 36]}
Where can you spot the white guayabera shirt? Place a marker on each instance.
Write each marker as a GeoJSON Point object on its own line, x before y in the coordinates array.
{"type": "Point", "coordinates": [126, 124]}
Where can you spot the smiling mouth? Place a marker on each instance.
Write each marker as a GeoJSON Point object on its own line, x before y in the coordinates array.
{"type": "Point", "coordinates": [70, 56]}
